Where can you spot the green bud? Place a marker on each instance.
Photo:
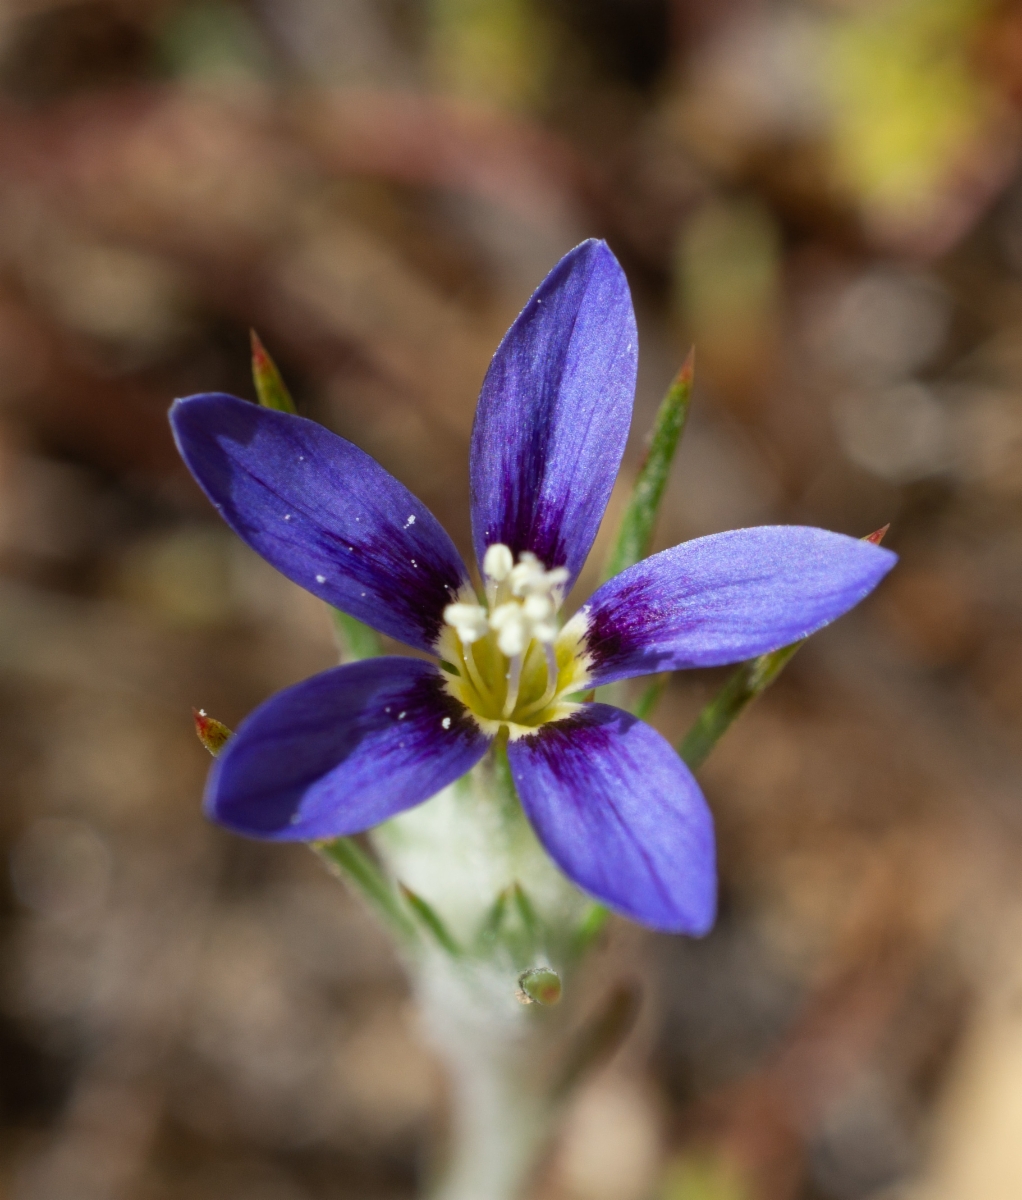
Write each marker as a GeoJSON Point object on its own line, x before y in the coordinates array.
{"type": "Point", "coordinates": [539, 985]}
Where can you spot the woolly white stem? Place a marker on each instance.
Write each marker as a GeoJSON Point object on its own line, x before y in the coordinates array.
{"type": "Point", "coordinates": [460, 851]}
{"type": "Point", "coordinates": [499, 1110]}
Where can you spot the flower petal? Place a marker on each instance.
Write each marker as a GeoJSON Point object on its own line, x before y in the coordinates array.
{"type": "Point", "coordinates": [724, 598]}
{"type": "Point", "coordinates": [621, 815]}
{"type": "Point", "coordinates": [343, 751]}
{"type": "Point", "coordinates": [323, 513]}
{"type": "Point", "coordinates": [554, 412]}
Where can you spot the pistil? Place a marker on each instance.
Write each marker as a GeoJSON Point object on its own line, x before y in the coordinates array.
{"type": "Point", "coordinates": [514, 679]}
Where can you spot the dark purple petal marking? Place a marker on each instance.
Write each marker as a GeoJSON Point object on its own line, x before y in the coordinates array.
{"type": "Point", "coordinates": [554, 412]}
{"type": "Point", "coordinates": [323, 513]}
{"type": "Point", "coordinates": [727, 597]}
{"type": "Point", "coordinates": [343, 751]}
{"type": "Point", "coordinates": [622, 816]}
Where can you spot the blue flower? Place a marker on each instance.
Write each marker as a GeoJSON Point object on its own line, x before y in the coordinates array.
{"type": "Point", "coordinates": [609, 798]}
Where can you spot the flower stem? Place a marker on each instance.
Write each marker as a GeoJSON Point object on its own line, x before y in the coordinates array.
{"type": "Point", "coordinates": [741, 688]}
{"type": "Point", "coordinates": [499, 1124]}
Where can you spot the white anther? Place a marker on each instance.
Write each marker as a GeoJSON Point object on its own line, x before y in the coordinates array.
{"type": "Point", "coordinates": [469, 620]}
{"type": "Point", "coordinates": [544, 631]}
{"type": "Point", "coordinates": [497, 562]}
{"type": "Point", "coordinates": [538, 608]}
{"type": "Point", "coordinates": [513, 639]}
{"type": "Point", "coordinates": [512, 628]}
{"type": "Point", "coordinates": [524, 576]}
{"type": "Point", "coordinates": [504, 613]}
{"type": "Point", "coordinates": [546, 583]}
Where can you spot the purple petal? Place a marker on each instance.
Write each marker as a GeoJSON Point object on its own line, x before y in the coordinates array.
{"type": "Point", "coordinates": [554, 412]}
{"type": "Point", "coordinates": [323, 513]}
{"type": "Point", "coordinates": [621, 815]}
{"type": "Point", "coordinates": [727, 597]}
{"type": "Point", "coordinates": [343, 751]}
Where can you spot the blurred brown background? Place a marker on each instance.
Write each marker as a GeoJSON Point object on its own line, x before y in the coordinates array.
{"type": "Point", "coordinates": [826, 197]}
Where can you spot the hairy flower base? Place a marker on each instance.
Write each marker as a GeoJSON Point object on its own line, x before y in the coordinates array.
{"type": "Point", "coordinates": [477, 675]}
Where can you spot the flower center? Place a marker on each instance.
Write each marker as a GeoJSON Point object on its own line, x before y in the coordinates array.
{"type": "Point", "coordinates": [505, 660]}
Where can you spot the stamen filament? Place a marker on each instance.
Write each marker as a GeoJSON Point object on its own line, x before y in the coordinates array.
{"type": "Point", "coordinates": [551, 683]}
{"type": "Point", "coordinates": [520, 612]}
{"type": "Point", "coordinates": [514, 678]}
{"type": "Point", "coordinates": [473, 673]}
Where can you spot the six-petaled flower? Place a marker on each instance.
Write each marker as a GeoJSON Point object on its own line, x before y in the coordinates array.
{"type": "Point", "coordinates": [609, 798]}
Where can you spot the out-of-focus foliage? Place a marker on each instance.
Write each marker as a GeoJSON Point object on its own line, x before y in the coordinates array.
{"type": "Point", "coordinates": [909, 104]}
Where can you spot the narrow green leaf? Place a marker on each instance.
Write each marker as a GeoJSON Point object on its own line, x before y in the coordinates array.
{"type": "Point", "coordinates": [745, 683]}
{"type": "Point", "coordinates": [431, 921]}
{"type": "Point", "coordinates": [529, 917]}
{"type": "Point", "coordinates": [593, 923]}
{"type": "Point", "coordinates": [354, 640]}
{"type": "Point", "coordinates": [346, 858]}
{"type": "Point", "coordinates": [651, 695]}
{"type": "Point", "coordinates": [493, 922]}
{"type": "Point", "coordinates": [636, 531]}
{"type": "Point", "coordinates": [270, 387]}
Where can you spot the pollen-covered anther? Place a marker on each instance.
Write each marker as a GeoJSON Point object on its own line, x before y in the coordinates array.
{"type": "Point", "coordinates": [539, 612]}
{"type": "Point", "coordinates": [529, 578]}
{"type": "Point", "coordinates": [469, 621]}
{"type": "Point", "coordinates": [496, 671]}
{"type": "Point", "coordinates": [498, 562]}
{"type": "Point", "coordinates": [512, 627]}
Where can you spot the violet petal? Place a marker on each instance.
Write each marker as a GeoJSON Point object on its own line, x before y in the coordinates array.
{"type": "Point", "coordinates": [554, 412]}
{"type": "Point", "coordinates": [727, 597]}
{"type": "Point", "coordinates": [622, 816]}
{"type": "Point", "coordinates": [343, 751]}
{"type": "Point", "coordinates": [323, 513]}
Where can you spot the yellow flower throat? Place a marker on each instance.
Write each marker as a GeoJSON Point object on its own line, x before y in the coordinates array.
{"type": "Point", "coordinates": [505, 661]}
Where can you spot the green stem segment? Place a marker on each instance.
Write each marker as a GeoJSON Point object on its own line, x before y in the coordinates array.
{"type": "Point", "coordinates": [742, 687]}
{"type": "Point", "coordinates": [431, 921]}
{"type": "Point", "coordinates": [635, 534]}
{"type": "Point", "coordinates": [345, 857]}
{"type": "Point", "coordinates": [354, 640]}
{"type": "Point", "coordinates": [650, 696]}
